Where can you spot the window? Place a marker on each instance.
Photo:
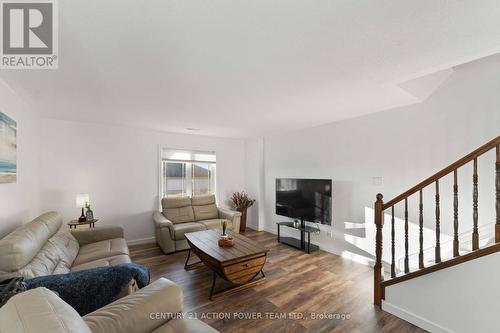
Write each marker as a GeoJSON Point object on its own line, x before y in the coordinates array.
{"type": "Point", "coordinates": [175, 178]}
{"type": "Point", "coordinates": [190, 173]}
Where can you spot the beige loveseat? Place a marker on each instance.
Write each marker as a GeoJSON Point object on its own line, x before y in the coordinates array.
{"type": "Point", "coordinates": [181, 215]}
{"type": "Point", "coordinates": [151, 309]}
{"type": "Point", "coordinates": [45, 247]}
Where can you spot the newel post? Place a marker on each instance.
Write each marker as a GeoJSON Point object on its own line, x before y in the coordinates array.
{"type": "Point", "coordinates": [378, 278]}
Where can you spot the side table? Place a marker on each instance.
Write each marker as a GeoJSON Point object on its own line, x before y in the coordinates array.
{"type": "Point", "coordinates": [75, 223]}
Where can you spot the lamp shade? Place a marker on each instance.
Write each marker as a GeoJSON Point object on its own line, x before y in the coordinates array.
{"type": "Point", "coordinates": [82, 200]}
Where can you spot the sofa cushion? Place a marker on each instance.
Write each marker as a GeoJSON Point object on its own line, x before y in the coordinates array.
{"type": "Point", "coordinates": [61, 268]}
{"type": "Point", "coordinates": [19, 247]}
{"type": "Point", "coordinates": [204, 207]}
{"type": "Point", "coordinates": [44, 263]}
{"type": "Point", "coordinates": [202, 200]}
{"type": "Point", "coordinates": [99, 250]}
{"type": "Point", "coordinates": [104, 262]}
{"type": "Point", "coordinates": [67, 245]}
{"type": "Point", "coordinates": [182, 228]}
{"type": "Point", "coordinates": [55, 257]}
{"type": "Point", "coordinates": [205, 212]}
{"type": "Point", "coordinates": [175, 202]}
{"type": "Point", "coordinates": [179, 215]}
{"type": "Point", "coordinates": [40, 310]}
{"type": "Point", "coordinates": [216, 223]}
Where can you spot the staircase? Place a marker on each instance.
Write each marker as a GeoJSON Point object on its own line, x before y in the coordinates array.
{"type": "Point", "coordinates": [487, 233]}
{"type": "Point", "coordinates": [430, 259]}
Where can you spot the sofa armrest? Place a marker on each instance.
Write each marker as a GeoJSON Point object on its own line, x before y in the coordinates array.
{"type": "Point", "coordinates": [88, 236]}
{"type": "Point", "coordinates": [142, 311]}
{"type": "Point", "coordinates": [232, 215]}
{"type": "Point", "coordinates": [161, 221]}
{"type": "Point", "coordinates": [187, 325]}
{"type": "Point", "coordinates": [40, 310]}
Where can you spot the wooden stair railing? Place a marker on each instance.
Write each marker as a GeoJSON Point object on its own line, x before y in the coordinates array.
{"type": "Point", "coordinates": [381, 207]}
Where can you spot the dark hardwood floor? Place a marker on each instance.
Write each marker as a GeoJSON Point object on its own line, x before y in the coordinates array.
{"type": "Point", "coordinates": [298, 286]}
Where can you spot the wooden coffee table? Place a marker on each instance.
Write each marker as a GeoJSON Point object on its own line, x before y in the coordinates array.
{"type": "Point", "coordinates": [239, 264]}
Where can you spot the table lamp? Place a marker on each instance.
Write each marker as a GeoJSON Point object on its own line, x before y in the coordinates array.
{"type": "Point", "coordinates": [82, 200]}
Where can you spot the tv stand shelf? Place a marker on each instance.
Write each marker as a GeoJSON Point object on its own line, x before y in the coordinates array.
{"type": "Point", "coordinates": [298, 243]}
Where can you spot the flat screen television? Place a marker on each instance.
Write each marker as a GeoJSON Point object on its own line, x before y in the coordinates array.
{"type": "Point", "coordinates": [305, 199]}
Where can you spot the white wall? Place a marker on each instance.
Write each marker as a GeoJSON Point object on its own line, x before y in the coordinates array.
{"type": "Point", "coordinates": [19, 202]}
{"type": "Point", "coordinates": [254, 181]}
{"type": "Point", "coordinates": [403, 146]}
{"type": "Point", "coordinates": [462, 298]}
{"type": "Point", "coordinates": [118, 167]}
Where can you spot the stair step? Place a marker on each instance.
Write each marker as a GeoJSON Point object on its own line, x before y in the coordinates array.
{"type": "Point", "coordinates": [429, 263]}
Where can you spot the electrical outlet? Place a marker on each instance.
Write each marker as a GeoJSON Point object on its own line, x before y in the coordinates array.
{"type": "Point", "coordinates": [377, 181]}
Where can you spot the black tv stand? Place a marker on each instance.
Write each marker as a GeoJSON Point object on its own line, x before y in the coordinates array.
{"type": "Point", "coordinates": [298, 243]}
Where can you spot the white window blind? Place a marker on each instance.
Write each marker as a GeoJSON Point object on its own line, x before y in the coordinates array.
{"type": "Point", "coordinates": [188, 155]}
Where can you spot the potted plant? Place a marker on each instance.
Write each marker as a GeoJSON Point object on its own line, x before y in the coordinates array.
{"type": "Point", "coordinates": [224, 227]}
{"type": "Point", "coordinates": [241, 202]}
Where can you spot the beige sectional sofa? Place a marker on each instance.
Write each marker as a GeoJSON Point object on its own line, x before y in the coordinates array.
{"type": "Point", "coordinates": [148, 310]}
{"type": "Point", "coordinates": [181, 215]}
{"type": "Point", "coordinates": [45, 247]}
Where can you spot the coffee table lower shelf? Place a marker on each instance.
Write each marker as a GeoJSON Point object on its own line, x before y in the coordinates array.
{"type": "Point", "coordinates": [233, 289]}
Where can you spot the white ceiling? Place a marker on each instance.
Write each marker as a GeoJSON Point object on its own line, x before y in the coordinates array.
{"type": "Point", "coordinates": [243, 68]}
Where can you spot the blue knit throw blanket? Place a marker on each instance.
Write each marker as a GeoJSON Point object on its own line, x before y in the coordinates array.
{"type": "Point", "coordinates": [91, 289]}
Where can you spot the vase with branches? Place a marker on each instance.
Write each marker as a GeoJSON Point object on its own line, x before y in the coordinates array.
{"type": "Point", "coordinates": [241, 202]}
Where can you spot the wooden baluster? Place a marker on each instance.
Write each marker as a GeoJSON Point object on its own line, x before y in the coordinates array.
{"type": "Point", "coordinates": [455, 214]}
{"type": "Point", "coordinates": [421, 231]}
{"type": "Point", "coordinates": [475, 215]}
{"type": "Point", "coordinates": [497, 225]}
{"type": "Point", "coordinates": [393, 249]}
{"type": "Point", "coordinates": [378, 273]}
{"type": "Point", "coordinates": [407, 261]}
{"type": "Point", "coordinates": [438, 230]}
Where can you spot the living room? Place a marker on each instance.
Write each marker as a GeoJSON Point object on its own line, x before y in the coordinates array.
{"type": "Point", "coordinates": [152, 120]}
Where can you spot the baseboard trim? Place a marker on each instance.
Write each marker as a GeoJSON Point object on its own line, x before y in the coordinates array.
{"type": "Point", "coordinates": [253, 227]}
{"type": "Point", "coordinates": [413, 318]}
{"type": "Point", "coordinates": [139, 241]}
{"type": "Point", "coordinates": [270, 230]}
